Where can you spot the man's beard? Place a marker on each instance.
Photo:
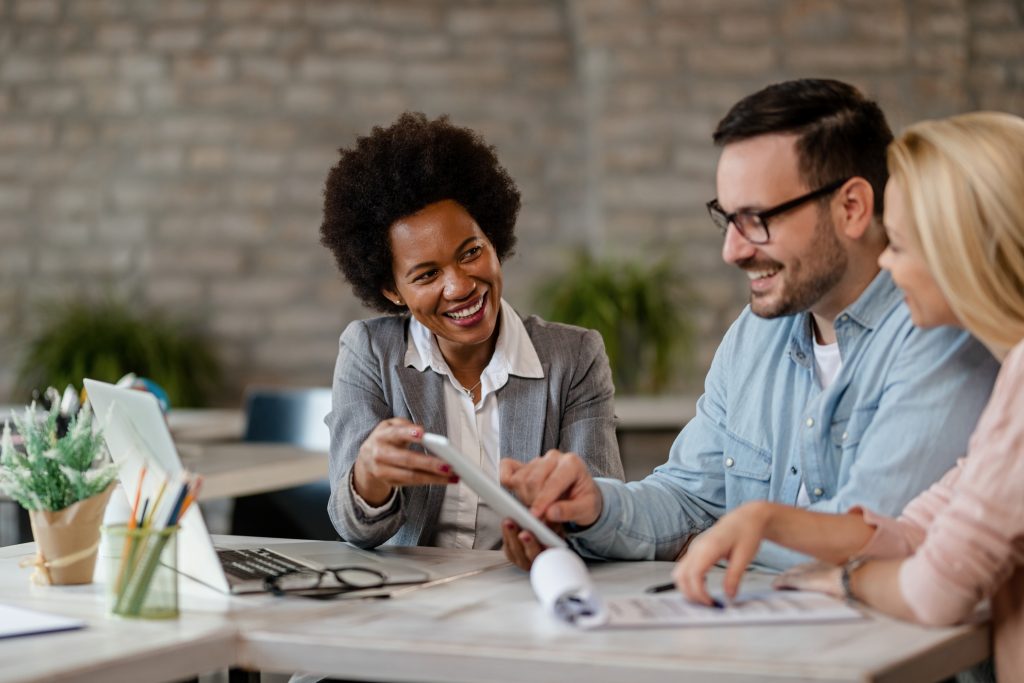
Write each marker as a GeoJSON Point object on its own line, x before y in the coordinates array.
{"type": "Point", "coordinates": [803, 282]}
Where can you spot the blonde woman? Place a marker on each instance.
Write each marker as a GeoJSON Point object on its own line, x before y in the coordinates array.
{"type": "Point", "coordinates": [954, 211]}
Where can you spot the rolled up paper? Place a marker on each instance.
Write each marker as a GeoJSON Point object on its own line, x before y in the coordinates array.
{"type": "Point", "coordinates": [562, 585]}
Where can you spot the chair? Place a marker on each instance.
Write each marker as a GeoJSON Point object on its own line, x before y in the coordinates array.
{"type": "Point", "coordinates": [292, 416]}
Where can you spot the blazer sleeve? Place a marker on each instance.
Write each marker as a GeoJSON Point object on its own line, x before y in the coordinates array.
{"type": "Point", "coordinates": [588, 413]}
{"type": "Point", "coordinates": [359, 403]}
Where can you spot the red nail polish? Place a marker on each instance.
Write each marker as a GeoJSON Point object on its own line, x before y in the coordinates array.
{"type": "Point", "coordinates": [415, 433]}
{"type": "Point", "coordinates": [454, 479]}
{"type": "Point", "coordinates": [445, 469]}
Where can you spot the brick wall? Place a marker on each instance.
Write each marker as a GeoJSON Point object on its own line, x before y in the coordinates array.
{"type": "Point", "coordinates": [174, 151]}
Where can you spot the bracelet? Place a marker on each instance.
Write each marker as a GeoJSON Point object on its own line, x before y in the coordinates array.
{"type": "Point", "coordinates": [846, 575]}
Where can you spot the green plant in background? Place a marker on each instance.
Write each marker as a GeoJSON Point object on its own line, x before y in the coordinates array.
{"type": "Point", "coordinates": [107, 340]}
{"type": "Point", "coordinates": [637, 308]}
{"type": "Point", "coordinates": [53, 472]}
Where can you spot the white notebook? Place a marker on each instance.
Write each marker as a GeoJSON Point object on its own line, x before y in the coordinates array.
{"type": "Point", "coordinates": [18, 621]}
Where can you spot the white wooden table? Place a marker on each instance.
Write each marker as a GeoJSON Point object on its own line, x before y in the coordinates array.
{"type": "Point", "coordinates": [483, 627]}
{"type": "Point", "coordinates": [489, 627]}
{"type": "Point", "coordinates": [204, 638]}
{"type": "Point", "coordinates": [108, 649]}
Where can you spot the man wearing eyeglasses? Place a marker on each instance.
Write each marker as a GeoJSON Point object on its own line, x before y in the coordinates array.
{"type": "Point", "coordinates": [822, 393]}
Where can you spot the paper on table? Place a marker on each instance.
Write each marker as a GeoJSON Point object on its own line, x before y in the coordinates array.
{"type": "Point", "coordinates": [770, 607]}
{"type": "Point", "coordinates": [562, 585]}
{"type": "Point", "coordinates": [17, 621]}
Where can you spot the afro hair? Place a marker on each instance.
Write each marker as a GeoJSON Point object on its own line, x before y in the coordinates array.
{"type": "Point", "coordinates": [395, 172]}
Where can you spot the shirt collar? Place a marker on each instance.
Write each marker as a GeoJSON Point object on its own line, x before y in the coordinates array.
{"type": "Point", "coordinates": [514, 353]}
{"type": "Point", "coordinates": [866, 312]}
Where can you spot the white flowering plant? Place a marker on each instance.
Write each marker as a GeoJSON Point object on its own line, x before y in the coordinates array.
{"type": "Point", "coordinates": [54, 472]}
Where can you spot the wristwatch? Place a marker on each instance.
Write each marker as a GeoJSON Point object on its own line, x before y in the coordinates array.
{"type": "Point", "coordinates": [846, 575]}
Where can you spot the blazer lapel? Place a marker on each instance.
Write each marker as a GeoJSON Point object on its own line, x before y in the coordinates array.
{"type": "Point", "coordinates": [424, 397]}
{"type": "Point", "coordinates": [524, 403]}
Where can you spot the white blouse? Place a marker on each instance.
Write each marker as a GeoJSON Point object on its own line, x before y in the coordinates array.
{"type": "Point", "coordinates": [473, 429]}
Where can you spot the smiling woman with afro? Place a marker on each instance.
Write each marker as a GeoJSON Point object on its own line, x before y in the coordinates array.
{"type": "Point", "coordinates": [419, 216]}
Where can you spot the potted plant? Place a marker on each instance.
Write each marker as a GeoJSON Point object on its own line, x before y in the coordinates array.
{"type": "Point", "coordinates": [107, 340]}
{"type": "Point", "coordinates": [64, 483]}
{"type": "Point", "coordinates": [637, 308]}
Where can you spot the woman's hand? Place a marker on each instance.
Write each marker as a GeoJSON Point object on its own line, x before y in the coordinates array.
{"type": "Point", "coordinates": [385, 462]}
{"type": "Point", "coordinates": [813, 576]}
{"type": "Point", "coordinates": [735, 537]}
{"type": "Point", "coordinates": [521, 547]}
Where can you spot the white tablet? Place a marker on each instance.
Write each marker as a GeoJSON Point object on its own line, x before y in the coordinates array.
{"type": "Point", "coordinates": [500, 500]}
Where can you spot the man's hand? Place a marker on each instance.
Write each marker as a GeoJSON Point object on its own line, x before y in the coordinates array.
{"type": "Point", "coordinates": [557, 488]}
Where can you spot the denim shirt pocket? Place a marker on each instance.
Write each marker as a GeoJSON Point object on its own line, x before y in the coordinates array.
{"type": "Point", "coordinates": [847, 432]}
{"type": "Point", "coordinates": [748, 471]}
{"type": "Point", "coordinates": [844, 437]}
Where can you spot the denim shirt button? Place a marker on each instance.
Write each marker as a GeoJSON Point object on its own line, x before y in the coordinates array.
{"type": "Point", "coordinates": [818, 492]}
{"type": "Point", "coordinates": [792, 470]}
{"type": "Point", "coordinates": [810, 422]}
{"type": "Point", "coordinates": [845, 436]}
{"type": "Point", "coordinates": [729, 462]}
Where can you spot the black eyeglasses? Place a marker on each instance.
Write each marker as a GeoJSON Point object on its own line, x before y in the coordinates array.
{"type": "Point", "coordinates": [330, 582]}
{"type": "Point", "coordinates": [753, 225]}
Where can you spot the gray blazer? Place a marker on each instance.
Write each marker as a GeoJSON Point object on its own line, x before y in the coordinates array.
{"type": "Point", "coordinates": [571, 408]}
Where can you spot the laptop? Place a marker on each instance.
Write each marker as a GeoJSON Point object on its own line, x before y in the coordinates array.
{"type": "Point", "coordinates": [136, 434]}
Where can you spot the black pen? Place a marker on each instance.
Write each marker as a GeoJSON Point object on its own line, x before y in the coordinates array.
{"type": "Point", "coordinates": [665, 587]}
{"type": "Point", "coordinates": [660, 588]}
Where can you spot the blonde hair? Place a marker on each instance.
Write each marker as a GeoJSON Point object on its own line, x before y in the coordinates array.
{"type": "Point", "coordinates": [963, 178]}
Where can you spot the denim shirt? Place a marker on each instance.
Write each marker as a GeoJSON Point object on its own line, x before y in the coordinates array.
{"type": "Point", "coordinates": [897, 416]}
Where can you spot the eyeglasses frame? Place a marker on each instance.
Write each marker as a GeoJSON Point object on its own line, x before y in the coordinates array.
{"type": "Point", "coordinates": [716, 211]}
{"type": "Point", "coordinates": [318, 592]}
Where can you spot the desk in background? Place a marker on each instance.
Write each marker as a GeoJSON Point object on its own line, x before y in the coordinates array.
{"type": "Point", "coordinates": [647, 426]}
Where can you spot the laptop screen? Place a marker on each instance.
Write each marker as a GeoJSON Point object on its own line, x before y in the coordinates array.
{"type": "Point", "coordinates": [136, 434]}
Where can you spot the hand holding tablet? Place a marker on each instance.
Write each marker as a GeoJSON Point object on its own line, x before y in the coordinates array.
{"type": "Point", "coordinates": [500, 500]}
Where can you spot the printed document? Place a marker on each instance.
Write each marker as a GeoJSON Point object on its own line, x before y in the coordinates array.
{"type": "Point", "coordinates": [563, 587]}
{"type": "Point", "coordinates": [770, 607]}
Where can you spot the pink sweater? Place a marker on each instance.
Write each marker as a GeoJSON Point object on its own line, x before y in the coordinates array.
{"type": "Point", "coordinates": [964, 536]}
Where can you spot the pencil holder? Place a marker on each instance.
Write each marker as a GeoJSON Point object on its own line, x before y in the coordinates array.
{"type": "Point", "coordinates": [142, 576]}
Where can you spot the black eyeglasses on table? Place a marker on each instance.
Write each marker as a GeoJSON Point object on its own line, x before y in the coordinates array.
{"type": "Point", "coordinates": [333, 581]}
{"type": "Point", "coordinates": [753, 225]}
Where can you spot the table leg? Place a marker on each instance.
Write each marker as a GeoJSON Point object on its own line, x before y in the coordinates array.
{"type": "Point", "coordinates": [243, 676]}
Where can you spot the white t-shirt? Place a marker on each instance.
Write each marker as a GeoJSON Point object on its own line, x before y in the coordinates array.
{"type": "Point", "coordinates": [827, 364]}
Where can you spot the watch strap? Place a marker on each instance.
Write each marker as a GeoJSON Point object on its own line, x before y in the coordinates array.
{"type": "Point", "coordinates": [846, 575]}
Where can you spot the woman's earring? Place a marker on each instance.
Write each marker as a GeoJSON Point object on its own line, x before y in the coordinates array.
{"type": "Point", "coordinates": [398, 302]}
